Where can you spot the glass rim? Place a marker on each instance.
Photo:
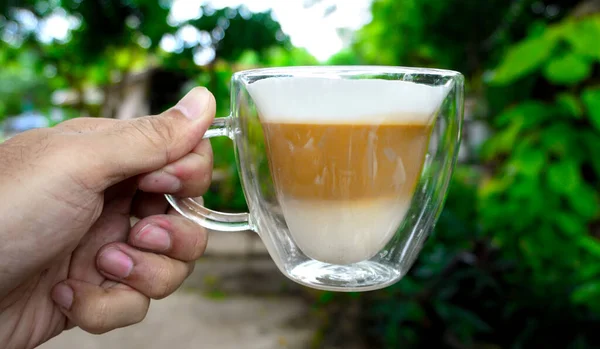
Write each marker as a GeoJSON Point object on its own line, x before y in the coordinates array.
{"type": "Point", "coordinates": [340, 70]}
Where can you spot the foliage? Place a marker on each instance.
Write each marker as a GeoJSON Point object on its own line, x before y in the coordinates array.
{"type": "Point", "coordinates": [545, 189]}
{"type": "Point", "coordinates": [514, 260]}
{"type": "Point", "coordinates": [468, 36]}
{"type": "Point", "coordinates": [21, 83]}
{"type": "Point", "coordinates": [110, 39]}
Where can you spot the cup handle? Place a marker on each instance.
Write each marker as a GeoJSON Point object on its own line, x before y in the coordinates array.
{"type": "Point", "coordinates": [193, 208]}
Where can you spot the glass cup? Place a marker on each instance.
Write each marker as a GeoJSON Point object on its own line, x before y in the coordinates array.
{"type": "Point", "coordinates": [344, 169]}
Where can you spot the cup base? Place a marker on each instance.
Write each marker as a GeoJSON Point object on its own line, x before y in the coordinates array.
{"type": "Point", "coordinates": [357, 277]}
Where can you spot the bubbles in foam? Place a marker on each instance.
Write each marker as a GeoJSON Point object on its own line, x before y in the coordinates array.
{"type": "Point", "coordinates": [323, 100]}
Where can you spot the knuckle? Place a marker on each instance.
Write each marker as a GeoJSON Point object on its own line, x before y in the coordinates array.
{"type": "Point", "coordinates": [205, 148]}
{"type": "Point", "coordinates": [175, 113]}
{"type": "Point", "coordinates": [153, 131]}
{"type": "Point", "coordinates": [190, 268]}
{"type": "Point", "coordinates": [162, 283]}
{"type": "Point", "coordinates": [199, 243]}
{"type": "Point", "coordinates": [206, 180]}
{"type": "Point", "coordinates": [99, 317]}
{"type": "Point", "coordinates": [200, 174]}
{"type": "Point", "coordinates": [137, 317]}
{"type": "Point", "coordinates": [95, 318]}
{"type": "Point", "coordinates": [162, 127]}
{"type": "Point", "coordinates": [207, 161]}
{"type": "Point", "coordinates": [151, 128]}
{"type": "Point", "coordinates": [146, 129]}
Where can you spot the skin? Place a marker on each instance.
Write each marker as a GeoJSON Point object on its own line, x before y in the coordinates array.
{"type": "Point", "coordinates": [68, 254]}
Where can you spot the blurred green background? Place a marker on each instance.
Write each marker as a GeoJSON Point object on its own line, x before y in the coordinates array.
{"type": "Point", "coordinates": [515, 258]}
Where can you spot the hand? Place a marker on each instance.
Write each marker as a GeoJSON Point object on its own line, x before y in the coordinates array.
{"type": "Point", "coordinates": [68, 254]}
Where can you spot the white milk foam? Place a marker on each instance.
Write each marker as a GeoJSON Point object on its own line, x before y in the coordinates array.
{"type": "Point", "coordinates": [344, 232]}
{"type": "Point", "coordinates": [348, 231]}
{"type": "Point", "coordinates": [326, 101]}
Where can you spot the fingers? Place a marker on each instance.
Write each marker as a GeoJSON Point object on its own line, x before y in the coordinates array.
{"type": "Point", "coordinates": [173, 236]}
{"type": "Point", "coordinates": [177, 242]}
{"type": "Point", "coordinates": [113, 224]}
{"type": "Point", "coordinates": [98, 310]}
{"type": "Point", "coordinates": [148, 204]}
{"type": "Point", "coordinates": [147, 144]}
{"type": "Point", "coordinates": [154, 275]}
{"type": "Point", "coordinates": [140, 275]}
{"type": "Point", "coordinates": [189, 176]}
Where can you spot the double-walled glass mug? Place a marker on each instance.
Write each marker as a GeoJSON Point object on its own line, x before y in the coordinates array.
{"type": "Point", "coordinates": [344, 169]}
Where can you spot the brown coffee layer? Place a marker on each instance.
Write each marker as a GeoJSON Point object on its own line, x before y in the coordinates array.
{"type": "Point", "coordinates": [345, 162]}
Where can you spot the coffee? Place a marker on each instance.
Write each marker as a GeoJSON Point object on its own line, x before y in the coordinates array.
{"type": "Point", "coordinates": [345, 157]}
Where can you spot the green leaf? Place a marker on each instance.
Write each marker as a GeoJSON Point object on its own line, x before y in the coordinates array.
{"type": "Point", "coordinates": [559, 139]}
{"type": "Point", "coordinates": [570, 224]}
{"type": "Point", "coordinates": [586, 292]}
{"type": "Point", "coordinates": [584, 201]}
{"type": "Point", "coordinates": [410, 311]}
{"type": "Point", "coordinates": [583, 36]}
{"type": "Point", "coordinates": [529, 249]}
{"type": "Point", "coordinates": [524, 58]}
{"type": "Point", "coordinates": [591, 140]}
{"type": "Point", "coordinates": [530, 161]}
{"type": "Point", "coordinates": [249, 58]}
{"type": "Point", "coordinates": [589, 271]}
{"type": "Point", "coordinates": [460, 316]}
{"type": "Point", "coordinates": [590, 245]}
{"type": "Point", "coordinates": [591, 99]}
{"type": "Point", "coordinates": [568, 69]}
{"type": "Point", "coordinates": [503, 141]}
{"type": "Point", "coordinates": [537, 29]}
{"type": "Point", "coordinates": [122, 58]}
{"type": "Point", "coordinates": [495, 186]}
{"type": "Point", "coordinates": [528, 113]}
{"type": "Point", "coordinates": [570, 104]}
{"type": "Point", "coordinates": [564, 177]}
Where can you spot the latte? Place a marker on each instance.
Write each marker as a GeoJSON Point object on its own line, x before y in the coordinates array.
{"type": "Point", "coordinates": [345, 157]}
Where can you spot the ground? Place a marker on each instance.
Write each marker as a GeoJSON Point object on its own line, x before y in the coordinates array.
{"type": "Point", "coordinates": [236, 298]}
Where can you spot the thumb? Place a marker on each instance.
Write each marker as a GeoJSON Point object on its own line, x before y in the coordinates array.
{"type": "Point", "coordinates": [149, 143]}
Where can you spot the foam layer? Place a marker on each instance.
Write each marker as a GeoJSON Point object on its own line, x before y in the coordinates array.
{"type": "Point", "coordinates": [343, 232]}
{"type": "Point", "coordinates": [331, 101]}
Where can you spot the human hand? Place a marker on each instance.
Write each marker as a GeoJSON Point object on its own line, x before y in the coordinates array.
{"type": "Point", "coordinates": [68, 254]}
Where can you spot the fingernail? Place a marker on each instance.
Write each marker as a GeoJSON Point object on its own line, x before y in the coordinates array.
{"type": "Point", "coordinates": [161, 181]}
{"type": "Point", "coordinates": [153, 238]}
{"type": "Point", "coordinates": [62, 294]}
{"type": "Point", "coordinates": [194, 103]}
{"type": "Point", "coordinates": [115, 262]}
